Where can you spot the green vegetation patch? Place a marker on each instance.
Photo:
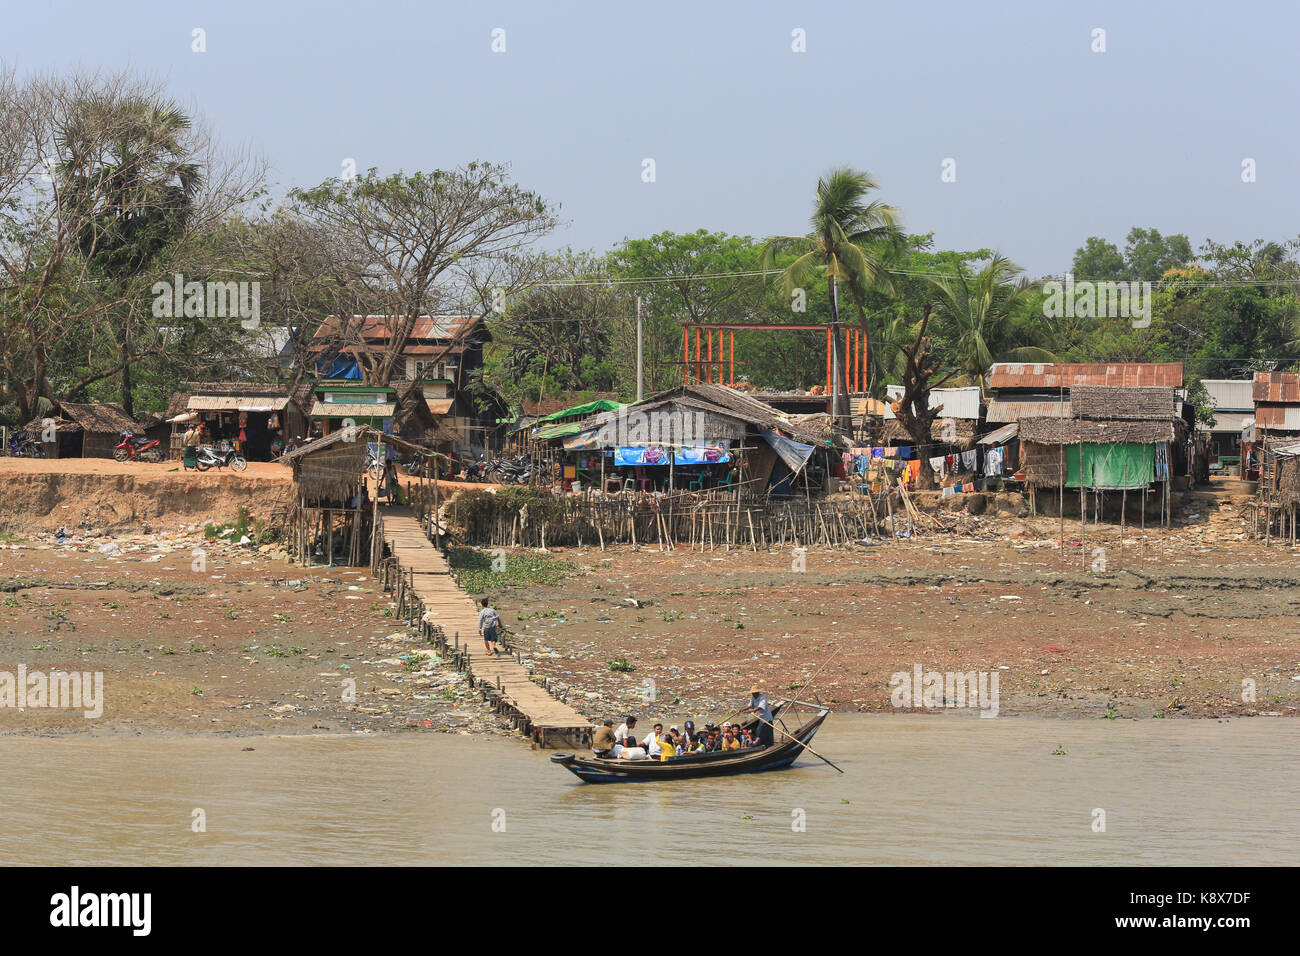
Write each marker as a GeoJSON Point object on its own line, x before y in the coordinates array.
{"type": "Point", "coordinates": [473, 569]}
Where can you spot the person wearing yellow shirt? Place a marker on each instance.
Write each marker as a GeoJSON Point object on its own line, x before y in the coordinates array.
{"type": "Point", "coordinates": [667, 746]}
{"type": "Point", "coordinates": [729, 741]}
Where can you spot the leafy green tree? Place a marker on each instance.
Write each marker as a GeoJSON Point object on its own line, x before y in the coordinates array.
{"type": "Point", "coordinates": [696, 281]}
{"type": "Point", "coordinates": [1099, 258]}
{"type": "Point", "coordinates": [1149, 255]}
{"type": "Point", "coordinates": [558, 334]}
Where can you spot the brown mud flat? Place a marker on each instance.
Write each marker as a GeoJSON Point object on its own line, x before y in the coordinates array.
{"type": "Point", "coordinates": [1167, 625]}
{"type": "Point", "coordinates": [250, 645]}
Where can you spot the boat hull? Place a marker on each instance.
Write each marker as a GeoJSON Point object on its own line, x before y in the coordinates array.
{"type": "Point", "coordinates": [692, 766]}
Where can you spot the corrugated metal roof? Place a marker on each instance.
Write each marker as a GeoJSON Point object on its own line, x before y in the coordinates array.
{"type": "Point", "coordinates": [1003, 434]}
{"type": "Point", "coordinates": [1065, 374]}
{"type": "Point", "coordinates": [1011, 410]}
{"type": "Point", "coordinates": [1286, 417]}
{"type": "Point", "coordinates": [380, 327]}
{"type": "Point", "coordinates": [1230, 395]}
{"type": "Point", "coordinates": [1277, 387]}
{"type": "Point", "coordinates": [1231, 421]}
{"type": "Point", "coordinates": [957, 402]}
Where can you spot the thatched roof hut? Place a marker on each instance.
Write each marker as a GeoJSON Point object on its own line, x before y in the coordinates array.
{"type": "Point", "coordinates": [1138, 403]}
{"type": "Point", "coordinates": [1074, 431]}
{"type": "Point", "coordinates": [83, 430]}
{"type": "Point", "coordinates": [1119, 451]}
{"type": "Point", "coordinates": [332, 468]}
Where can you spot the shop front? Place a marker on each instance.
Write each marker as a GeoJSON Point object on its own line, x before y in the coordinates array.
{"type": "Point", "coordinates": [256, 425]}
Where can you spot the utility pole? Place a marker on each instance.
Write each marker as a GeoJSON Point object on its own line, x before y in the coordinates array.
{"type": "Point", "coordinates": [640, 358]}
{"type": "Point", "coordinates": [836, 421]}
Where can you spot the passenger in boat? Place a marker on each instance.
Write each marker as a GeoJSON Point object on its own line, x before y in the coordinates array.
{"type": "Point", "coordinates": [688, 735]}
{"type": "Point", "coordinates": [759, 707]}
{"type": "Point", "coordinates": [747, 738]}
{"type": "Point", "coordinates": [678, 741]}
{"type": "Point", "coordinates": [625, 745]}
{"type": "Point", "coordinates": [625, 730]}
{"type": "Point", "coordinates": [602, 742]}
{"type": "Point", "coordinates": [651, 742]}
{"type": "Point", "coordinates": [668, 745]}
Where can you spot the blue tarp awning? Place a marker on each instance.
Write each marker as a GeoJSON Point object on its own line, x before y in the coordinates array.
{"type": "Point", "coordinates": [795, 454]}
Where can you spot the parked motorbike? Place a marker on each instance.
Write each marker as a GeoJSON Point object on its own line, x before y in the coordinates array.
{"type": "Point", "coordinates": [478, 470]}
{"type": "Point", "coordinates": [21, 446]}
{"type": "Point", "coordinates": [507, 472]}
{"type": "Point", "coordinates": [133, 448]}
{"type": "Point", "coordinates": [208, 457]}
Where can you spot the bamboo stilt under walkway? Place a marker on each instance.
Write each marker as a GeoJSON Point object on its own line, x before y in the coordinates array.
{"type": "Point", "coordinates": [427, 581]}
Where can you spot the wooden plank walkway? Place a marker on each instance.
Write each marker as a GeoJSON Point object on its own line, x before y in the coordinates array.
{"type": "Point", "coordinates": [423, 572]}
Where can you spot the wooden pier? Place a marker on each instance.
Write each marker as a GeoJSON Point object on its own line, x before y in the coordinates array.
{"type": "Point", "coordinates": [415, 570]}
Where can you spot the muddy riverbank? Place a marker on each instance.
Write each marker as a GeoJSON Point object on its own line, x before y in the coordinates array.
{"type": "Point", "coordinates": [1196, 621]}
{"type": "Point", "coordinates": [198, 634]}
{"type": "Point", "coordinates": [1176, 624]}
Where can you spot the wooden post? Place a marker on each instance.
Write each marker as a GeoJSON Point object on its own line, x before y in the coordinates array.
{"type": "Point", "coordinates": [374, 515]}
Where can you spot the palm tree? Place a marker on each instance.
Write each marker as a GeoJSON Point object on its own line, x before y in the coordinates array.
{"type": "Point", "coordinates": [847, 241]}
{"type": "Point", "coordinates": [974, 312]}
{"type": "Point", "coordinates": [142, 190]}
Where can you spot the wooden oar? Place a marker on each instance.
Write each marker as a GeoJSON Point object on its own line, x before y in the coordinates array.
{"type": "Point", "coordinates": [798, 741]}
{"type": "Point", "coordinates": [817, 673]}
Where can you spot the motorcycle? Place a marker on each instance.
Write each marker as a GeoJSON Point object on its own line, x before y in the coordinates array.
{"type": "Point", "coordinates": [132, 448]}
{"type": "Point", "coordinates": [513, 471]}
{"type": "Point", "coordinates": [21, 446]}
{"type": "Point", "coordinates": [208, 456]}
{"type": "Point", "coordinates": [478, 470]}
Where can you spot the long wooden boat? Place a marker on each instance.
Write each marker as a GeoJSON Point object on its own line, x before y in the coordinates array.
{"type": "Point", "coordinates": [719, 763]}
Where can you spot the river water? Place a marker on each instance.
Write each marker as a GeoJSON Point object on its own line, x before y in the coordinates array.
{"type": "Point", "coordinates": [917, 790]}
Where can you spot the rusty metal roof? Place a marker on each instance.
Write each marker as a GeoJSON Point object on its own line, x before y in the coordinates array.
{"type": "Point", "coordinates": [1286, 417]}
{"type": "Point", "coordinates": [1283, 387]}
{"type": "Point", "coordinates": [1012, 410]}
{"type": "Point", "coordinates": [1065, 374]}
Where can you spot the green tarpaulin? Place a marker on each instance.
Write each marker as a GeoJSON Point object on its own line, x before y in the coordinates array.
{"type": "Point", "coordinates": [590, 408]}
{"type": "Point", "coordinates": [555, 431]}
{"type": "Point", "coordinates": [1116, 466]}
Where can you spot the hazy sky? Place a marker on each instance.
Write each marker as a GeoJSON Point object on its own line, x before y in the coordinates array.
{"type": "Point", "coordinates": [1052, 141]}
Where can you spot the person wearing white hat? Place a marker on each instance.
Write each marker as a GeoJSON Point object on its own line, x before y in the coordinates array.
{"type": "Point", "coordinates": [759, 707]}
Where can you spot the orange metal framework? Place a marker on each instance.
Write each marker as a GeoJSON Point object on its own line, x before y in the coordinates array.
{"type": "Point", "coordinates": [704, 368]}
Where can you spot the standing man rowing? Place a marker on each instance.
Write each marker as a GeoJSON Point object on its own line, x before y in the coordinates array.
{"type": "Point", "coordinates": [759, 707]}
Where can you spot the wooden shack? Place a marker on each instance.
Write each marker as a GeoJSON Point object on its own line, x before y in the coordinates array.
{"type": "Point", "coordinates": [1115, 439]}
{"type": "Point", "coordinates": [334, 512]}
{"type": "Point", "coordinates": [82, 431]}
